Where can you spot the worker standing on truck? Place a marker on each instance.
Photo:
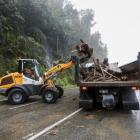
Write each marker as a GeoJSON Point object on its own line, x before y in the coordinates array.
{"type": "Point", "coordinates": [83, 51]}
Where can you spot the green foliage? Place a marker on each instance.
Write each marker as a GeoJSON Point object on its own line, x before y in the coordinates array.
{"type": "Point", "coordinates": [44, 30]}
{"type": "Point", "coordinates": [64, 79]}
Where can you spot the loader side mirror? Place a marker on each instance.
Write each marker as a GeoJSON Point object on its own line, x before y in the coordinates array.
{"type": "Point", "coordinates": [20, 66]}
{"type": "Point", "coordinates": [7, 72]}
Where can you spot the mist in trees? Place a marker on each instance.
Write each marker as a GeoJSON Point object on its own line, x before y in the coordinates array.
{"type": "Point", "coordinates": [44, 30]}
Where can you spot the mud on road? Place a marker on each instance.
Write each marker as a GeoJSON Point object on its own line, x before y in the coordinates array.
{"type": "Point", "coordinates": [24, 121]}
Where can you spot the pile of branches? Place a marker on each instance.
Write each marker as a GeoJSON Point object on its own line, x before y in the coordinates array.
{"type": "Point", "coordinates": [101, 72]}
{"type": "Point", "coordinates": [98, 71]}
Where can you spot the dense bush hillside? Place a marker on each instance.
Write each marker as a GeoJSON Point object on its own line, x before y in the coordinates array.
{"type": "Point", "coordinates": [45, 30]}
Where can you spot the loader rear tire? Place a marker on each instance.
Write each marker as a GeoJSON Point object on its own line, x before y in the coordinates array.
{"type": "Point", "coordinates": [16, 96]}
{"type": "Point", "coordinates": [49, 96]}
{"type": "Point", "coordinates": [60, 91]}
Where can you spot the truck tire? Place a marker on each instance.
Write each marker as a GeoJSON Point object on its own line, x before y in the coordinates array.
{"type": "Point", "coordinates": [61, 91]}
{"type": "Point", "coordinates": [49, 96]}
{"type": "Point", "coordinates": [16, 96]}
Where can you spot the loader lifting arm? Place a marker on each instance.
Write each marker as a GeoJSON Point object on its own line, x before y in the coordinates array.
{"type": "Point", "coordinates": [53, 71]}
{"type": "Point", "coordinates": [50, 92]}
{"type": "Point", "coordinates": [83, 53]}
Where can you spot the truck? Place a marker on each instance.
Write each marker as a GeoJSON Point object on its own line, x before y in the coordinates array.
{"type": "Point", "coordinates": [111, 94]}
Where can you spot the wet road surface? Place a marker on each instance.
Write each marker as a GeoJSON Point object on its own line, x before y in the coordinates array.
{"type": "Point", "coordinates": [25, 121]}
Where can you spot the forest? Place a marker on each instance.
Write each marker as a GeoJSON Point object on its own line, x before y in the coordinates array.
{"type": "Point", "coordinates": [45, 30]}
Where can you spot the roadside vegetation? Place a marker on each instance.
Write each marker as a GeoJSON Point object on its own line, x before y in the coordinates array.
{"type": "Point", "coordinates": [45, 30]}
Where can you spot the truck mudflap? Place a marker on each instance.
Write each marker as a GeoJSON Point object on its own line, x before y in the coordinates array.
{"type": "Point", "coordinates": [86, 103]}
{"type": "Point", "coordinates": [130, 101]}
{"type": "Point", "coordinates": [108, 101]}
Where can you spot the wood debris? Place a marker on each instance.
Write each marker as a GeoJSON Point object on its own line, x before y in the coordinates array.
{"type": "Point", "coordinates": [101, 72]}
{"type": "Point", "coordinates": [98, 71]}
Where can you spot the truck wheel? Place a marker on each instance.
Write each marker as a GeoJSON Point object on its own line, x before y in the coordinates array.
{"type": "Point", "coordinates": [16, 96]}
{"type": "Point", "coordinates": [61, 91]}
{"type": "Point", "coordinates": [49, 96]}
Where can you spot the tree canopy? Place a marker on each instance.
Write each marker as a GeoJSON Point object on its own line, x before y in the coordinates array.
{"type": "Point", "coordinates": [44, 30]}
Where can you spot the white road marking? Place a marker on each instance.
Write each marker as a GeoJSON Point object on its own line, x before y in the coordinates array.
{"type": "Point", "coordinates": [23, 105]}
{"type": "Point", "coordinates": [31, 134]}
{"type": "Point", "coordinates": [3, 100]}
{"type": "Point", "coordinates": [54, 125]}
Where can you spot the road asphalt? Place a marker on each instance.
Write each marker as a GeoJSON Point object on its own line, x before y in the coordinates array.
{"type": "Point", "coordinates": [23, 122]}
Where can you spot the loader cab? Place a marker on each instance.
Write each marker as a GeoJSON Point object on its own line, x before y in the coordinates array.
{"type": "Point", "coordinates": [29, 68]}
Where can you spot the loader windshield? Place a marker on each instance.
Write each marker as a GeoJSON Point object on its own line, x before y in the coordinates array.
{"type": "Point", "coordinates": [39, 70]}
{"type": "Point", "coordinates": [30, 69]}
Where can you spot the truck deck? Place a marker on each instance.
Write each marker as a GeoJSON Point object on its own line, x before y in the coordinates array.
{"type": "Point", "coordinates": [131, 70]}
{"type": "Point", "coordinates": [110, 84]}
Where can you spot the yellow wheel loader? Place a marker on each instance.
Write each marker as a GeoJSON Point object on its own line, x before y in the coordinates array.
{"type": "Point", "coordinates": [18, 86]}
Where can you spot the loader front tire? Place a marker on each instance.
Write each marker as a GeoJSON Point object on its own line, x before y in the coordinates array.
{"type": "Point", "coordinates": [49, 96]}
